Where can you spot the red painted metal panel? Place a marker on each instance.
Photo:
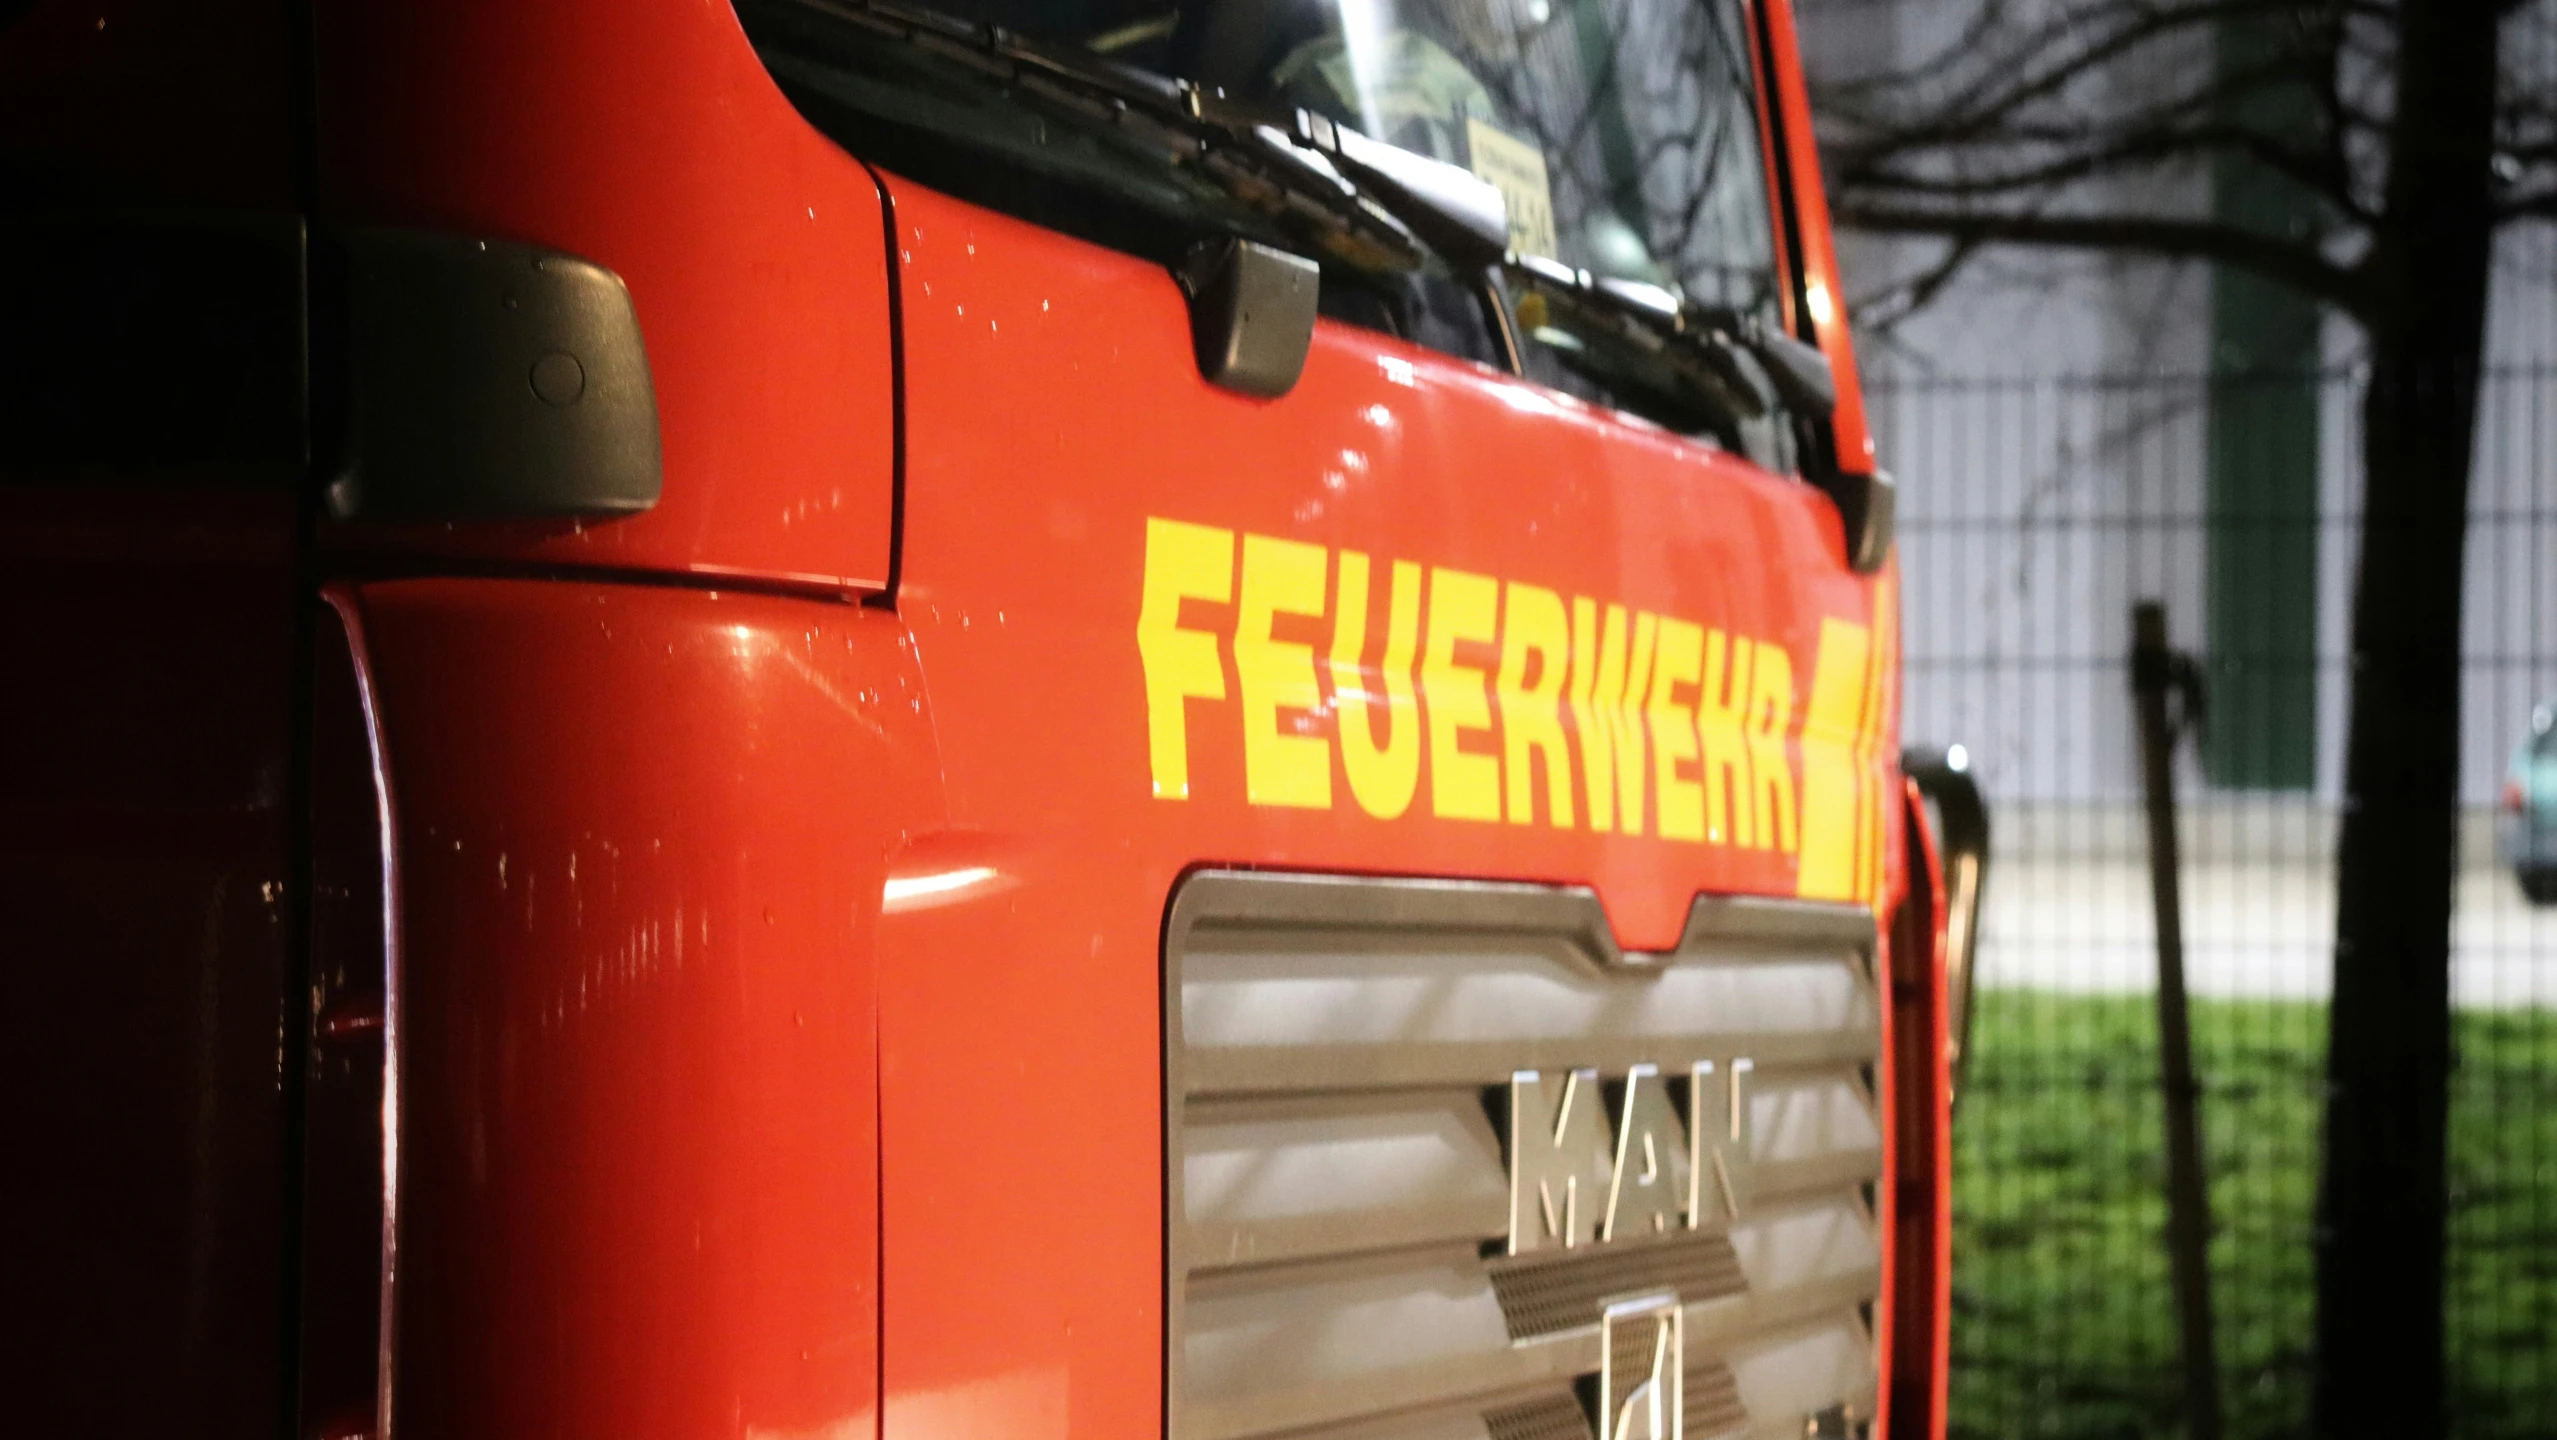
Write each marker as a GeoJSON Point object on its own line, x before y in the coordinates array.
{"type": "Point", "coordinates": [1030, 999]}
{"type": "Point", "coordinates": [641, 838]}
{"type": "Point", "coordinates": [648, 138]}
{"type": "Point", "coordinates": [1821, 283]}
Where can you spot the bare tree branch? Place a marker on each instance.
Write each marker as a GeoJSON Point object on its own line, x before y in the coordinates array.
{"type": "Point", "coordinates": [2026, 121]}
{"type": "Point", "coordinates": [2132, 151]}
{"type": "Point", "coordinates": [2294, 263]}
{"type": "Point", "coordinates": [1910, 294]}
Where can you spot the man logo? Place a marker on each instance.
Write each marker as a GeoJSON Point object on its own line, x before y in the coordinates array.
{"type": "Point", "coordinates": [1642, 1377]}
{"type": "Point", "coordinates": [1572, 1183]}
{"type": "Point", "coordinates": [1575, 1181]}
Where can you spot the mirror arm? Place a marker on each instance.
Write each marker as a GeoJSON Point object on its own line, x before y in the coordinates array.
{"type": "Point", "coordinates": [1962, 814]}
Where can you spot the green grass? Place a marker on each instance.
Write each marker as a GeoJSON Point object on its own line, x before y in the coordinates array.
{"type": "Point", "coordinates": [2063, 1316]}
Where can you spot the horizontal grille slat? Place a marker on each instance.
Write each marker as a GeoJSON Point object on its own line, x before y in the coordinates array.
{"type": "Point", "coordinates": [1338, 1069]}
{"type": "Point", "coordinates": [1804, 1241]}
{"type": "Point", "coordinates": [1271, 1180]}
{"type": "Point", "coordinates": [1549, 1417]}
{"type": "Point", "coordinates": [1807, 1369]}
{"type": "Point", "coordinates": [1545, 1295]}
{"type": "Point", "coordinates": [1713, 1401]}
{"type": "Point", "coordinates": [1264, 1069]}
{"type": "Point", "coordinates": [1256, 1358]}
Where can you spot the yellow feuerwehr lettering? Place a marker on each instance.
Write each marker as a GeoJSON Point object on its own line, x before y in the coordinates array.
{"type": "Point", "coordinates": [1679, 801]}
{"type": "Point", "coordinates": [1280, 577]}
{"type": "Point", "coordinates": [1463, 608]}
{"type": "Point", "coordinates": [1382, 779]}
{"type": "Point", "coordinates": [1720, 712]}
{"type": "Point", "coordinates": [1535, 636]}
{"type": "Point", "coordinates": [1598, 775]}
{"type": "Point", "coordinates": [1721, 763]}
{"type": "Point", "coordinates": [1607, 671]}
{"type": "Point", "coordinates": [1770, 716]}
{"type": "Point", "coordinates": [1182, 562]}
{"type": "Point", "coordinates": [1830, 729]}
{"type": "Point", "coordinates": [1629, 723]}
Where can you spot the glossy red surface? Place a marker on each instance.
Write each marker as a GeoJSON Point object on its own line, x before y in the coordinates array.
{"type": "Point", "coordinates": [1920, 1346]}
{"type": "Point", "coordinates": [648, 138]}
{"type": "Point", "coordinates": [641, 835]}
{"type": "Point", "coordinates": [1030, 1008]}
{"type": "Point", "coordinates": [1819, 259]}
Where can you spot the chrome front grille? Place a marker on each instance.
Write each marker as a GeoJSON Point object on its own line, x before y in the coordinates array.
{"type": "Point", "coordinates": [1346, 1255]}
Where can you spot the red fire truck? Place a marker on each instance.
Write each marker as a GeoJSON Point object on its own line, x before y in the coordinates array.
{"type": "Point", "coordinates": [824, 718]}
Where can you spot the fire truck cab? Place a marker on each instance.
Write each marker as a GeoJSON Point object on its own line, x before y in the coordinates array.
{"type": "Point", "coordinates": [824, 718]}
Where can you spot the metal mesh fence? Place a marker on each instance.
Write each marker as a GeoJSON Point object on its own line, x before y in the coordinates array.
{"type": "Point", "coordinates": [2034, 514]}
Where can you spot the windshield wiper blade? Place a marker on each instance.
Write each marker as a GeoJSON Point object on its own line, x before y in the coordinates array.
{"type": "Point", "coordinates": [1240, 151]}
{"type": "Point", "coordinates": [1636, 335]}
{"type": "Point", "coordinates": [1736, 365]}
{"type": "Point", "coordinates": [1461, 215]}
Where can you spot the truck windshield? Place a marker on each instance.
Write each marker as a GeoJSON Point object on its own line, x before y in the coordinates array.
{"type": "Point", "coordinates": [1623, 132]}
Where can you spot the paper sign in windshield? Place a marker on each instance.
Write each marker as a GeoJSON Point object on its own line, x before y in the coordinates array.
{"type": "Point", "coordinates": [1517, 170]}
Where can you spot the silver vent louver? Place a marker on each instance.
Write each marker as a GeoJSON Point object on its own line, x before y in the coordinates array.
{"type": "Point", "coordinates": [1434, 1166]}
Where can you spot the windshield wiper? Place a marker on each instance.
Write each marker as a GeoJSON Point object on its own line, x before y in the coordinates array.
{"type": "Point", "coordinates": [1655, 338]}
{"type": "Point", "coordinates": [1703, 367]}
{"type": "Point", "coordinates": [1242, 152]}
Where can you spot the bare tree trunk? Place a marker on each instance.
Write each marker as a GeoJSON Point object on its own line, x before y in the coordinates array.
{"type": "Point", "coordinates": [2379, 1353]}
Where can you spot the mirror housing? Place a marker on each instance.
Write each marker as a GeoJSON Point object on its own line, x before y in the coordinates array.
{"type": "Point", "coordinates": [488, 380]}
{"type": "Point", "coordinates": [1868, 508]}
{"type": "Point", "coordinates": [1252, 312]}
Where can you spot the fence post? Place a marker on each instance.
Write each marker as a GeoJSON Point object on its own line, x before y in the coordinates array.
{"type": "Point", "coordinates": [2155, 671]}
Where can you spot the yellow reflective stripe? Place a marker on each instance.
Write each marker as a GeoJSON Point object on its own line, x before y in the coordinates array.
{"type": "Point", "coordinates": [1830, 785]}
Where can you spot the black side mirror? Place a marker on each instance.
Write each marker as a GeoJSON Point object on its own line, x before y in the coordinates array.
{"type": "Point", "coordinates": [488, 380]}
{"type": "Point", "coordinates": [1252, 314]}
{"type": "Point", "coordinates": [1868, 508]}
